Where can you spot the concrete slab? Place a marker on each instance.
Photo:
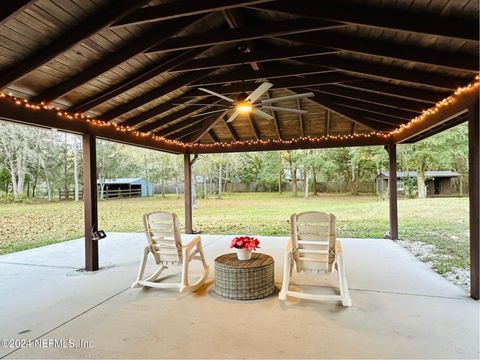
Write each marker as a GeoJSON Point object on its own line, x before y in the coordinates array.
{"type": "Point", "coordinates": [401, 308]}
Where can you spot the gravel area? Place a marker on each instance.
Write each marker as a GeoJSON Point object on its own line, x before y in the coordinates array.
{"type": "Point", "coordinates": [426, 253]}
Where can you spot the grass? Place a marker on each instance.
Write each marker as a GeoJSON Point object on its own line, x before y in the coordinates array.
{"type": "Point", "coordinates": [442, 222]}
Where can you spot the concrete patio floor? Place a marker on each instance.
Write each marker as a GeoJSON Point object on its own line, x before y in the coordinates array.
{"type": "Point", "coordinates": [401, 308]}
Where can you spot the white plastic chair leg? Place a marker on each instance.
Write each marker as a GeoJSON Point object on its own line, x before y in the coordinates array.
{"type": "Point", "coordinates": [141, 270]}
{"type": "Point", "coordinates": [342, 280]}
{"type": "Point", "coordinates": [287, 270]}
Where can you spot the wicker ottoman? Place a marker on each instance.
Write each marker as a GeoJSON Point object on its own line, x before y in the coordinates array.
{"type": "Point", "coordinates": [244, 280]}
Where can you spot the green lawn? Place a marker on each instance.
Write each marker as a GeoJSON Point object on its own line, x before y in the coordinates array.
{"type": "Point", "coordinates": [441, 222]}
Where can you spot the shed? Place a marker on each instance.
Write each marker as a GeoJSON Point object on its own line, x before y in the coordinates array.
{"type": "Point", "coordinates": [126, 187]}
{"type": "Point", "coordinates": [438, 183]}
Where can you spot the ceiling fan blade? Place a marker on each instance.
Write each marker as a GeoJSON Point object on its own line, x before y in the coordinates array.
{"type": "Point", "coordinates": [217, 94]}
{"type": "Point", "coordinates": [208, 112]}
{"type": "Point", "coordinates": [233, 116]}
{"type": "Point", "coordinates": [258, 92]}
{"type": "Point", "coordinates": [288, 97]}
{"type": "Point", "coordinates": [282, 109]}
{"type": "Point", "coordinates": [259, 112]}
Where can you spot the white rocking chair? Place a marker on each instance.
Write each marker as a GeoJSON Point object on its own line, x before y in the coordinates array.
{"type": "Point", "coordinates": [165, 244]}
{"type": "Point", "coordinates": [313, 247]}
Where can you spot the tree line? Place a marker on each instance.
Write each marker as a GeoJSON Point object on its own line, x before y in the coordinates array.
{"type": "Point", "coordinates": [36, 163]}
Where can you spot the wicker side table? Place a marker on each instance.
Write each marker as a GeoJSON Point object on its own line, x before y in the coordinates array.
{"type": "Point", "coordinates": [244, 280]}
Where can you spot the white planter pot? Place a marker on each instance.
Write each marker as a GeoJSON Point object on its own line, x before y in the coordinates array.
{"type": "Point", "coordinates": [244, 254]}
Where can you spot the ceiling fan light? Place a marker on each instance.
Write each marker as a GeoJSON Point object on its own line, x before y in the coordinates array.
{"type": "Point", "coordinates": [244, 107]}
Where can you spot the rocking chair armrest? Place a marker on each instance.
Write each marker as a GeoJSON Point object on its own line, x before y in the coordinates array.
{"type": "Point", "coordinates": [195, 241]}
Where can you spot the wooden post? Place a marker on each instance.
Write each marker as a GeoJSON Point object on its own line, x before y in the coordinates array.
{"type": "Point", "coordinates": [474, 198]}
{"type": "Point", "coordinates": [187, 165]}
{"type": "Point", "coordinates": [392, 187]}
{"type": "Point", "coordinates": [90, 201]}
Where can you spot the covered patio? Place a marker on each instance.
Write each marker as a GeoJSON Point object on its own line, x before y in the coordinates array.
{"type": "Point", "coordinates": [380, 73]}
{"type": "Point", "coordinates": [402, 309]}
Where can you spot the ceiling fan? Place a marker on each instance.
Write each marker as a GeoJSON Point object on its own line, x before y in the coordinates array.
{"type": "Point", "coordinates": [246, 104]}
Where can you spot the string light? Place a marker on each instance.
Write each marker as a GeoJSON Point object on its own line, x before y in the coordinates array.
{"type": "Point", "coordinates": [297, 141]}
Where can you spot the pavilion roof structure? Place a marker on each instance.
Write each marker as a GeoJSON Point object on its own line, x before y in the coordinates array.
{"type": "Point", "coordinates": [129, 71]}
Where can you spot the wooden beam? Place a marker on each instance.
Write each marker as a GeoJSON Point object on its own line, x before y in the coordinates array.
{"type": "Point", "coordinates": [366, 113]}
{"type": "Point", "coordinates": [392, 191]}
{"type": "Point", "coordinates": [273, 72]}
{"type": "Point", "coordinates": [380, 17]}
{"type": "Point", "coordinates": [398, 91]}
{"type": "Point", "coordinates": [375, 98]}
{"type": "Point", "coordinates": [180, 135]}
{"type": "Point", "coordinates": [157, 110]}
{"type": "Point", "coordinates": [231, 130]}
{"type": "Point", "coordinates": [140, 77]}
{"type": "Point", "coordinates": [90, 201]}
{"type": "Point", "coordinates": [271, 146]}
{"type": "Point", "coordinates": [276, 122]}
{"type": "Point", "coordinates": [265, 30]}
{"type": "Point", "coordinates": [9, 9]}
{"type": "Point", "coordinates": [207, 125]}
{"type": "Point", "coordinates": [90, 26]}
{"type": "Point", "coordinates": [179, 9]}
{"type": "Point", "coordinates": [154, 94]}
{"type": "Point", "coordinates": [264, 55]}
{"type": "Point", "coordinates": [300, 118]}
{"type": "Point", "coordinates": [327, 122]}
{"type": "Point", "coordinates": [254, 127]}
{"type": "Point", "coordinates": [284, 83]}
{"type": "Point", "coordinates": [187, 171]}
{"type": "Point", "coordinates": [435, 81]}
{"type": "Point", "coordinates": [443, 115]}
{"type": "Point", "coordinates": [188, 122]}
{"type": "Point", "coordinates": [131, 48]}
{"type": "Point", "coordinates": [474, 197]}
{"type": "Point", "coordinates": [49, 119]}
{"type": "Point", "coordinates": [397, 51]}
{"type": "Point", "coordinates": [212, 134]}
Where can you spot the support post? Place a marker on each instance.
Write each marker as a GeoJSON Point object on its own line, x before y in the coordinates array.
{"type": "Point", "coordinates": [474, 197]}
{"type": "Point", "coordinates": [392, 188]}
{"type": "Point", "coordinates": [90, 201]}
{"type": "Point", "coordinates": [187, 165]}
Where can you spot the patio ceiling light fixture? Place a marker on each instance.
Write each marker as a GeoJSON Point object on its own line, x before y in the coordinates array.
{"type": "Point", "coordinates": [244, 107]}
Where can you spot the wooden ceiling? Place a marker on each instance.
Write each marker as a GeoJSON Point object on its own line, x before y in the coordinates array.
{"type": "Point", "coordinates": [372, 65]}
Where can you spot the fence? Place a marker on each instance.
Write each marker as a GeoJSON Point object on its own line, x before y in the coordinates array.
{"type": "Point", "coordinates": [107, 193]}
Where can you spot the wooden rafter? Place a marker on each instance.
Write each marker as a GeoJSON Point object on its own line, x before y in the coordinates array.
{"type": "Point", "coordinates": [276, 121]}
{"type": "Point", "coordinates": [130, 49]}
{"type": "Point", "coordinates": [231, 130]}
{"type": "Point", "coordinates": [179, 9]}
{"type": "Point", "coordinates": [254, 127]}
{"type": "Point", "coordinates": [278, 28]}
{"type": "Point", "coordinates": [366, 113]}
{"type": "Point", "coordinates": [155, 111]}
{"type": "Point", "coordinates": [8, 9]}
{"type": "Point", "coordinates": [264, 55]}
{"type": "Point", "coordinates": [178, 126]}
{"type": "Point", "coordinates": [213, 136]}
{"type": "Point", "coordinates": [436, 81]}
{"type": "Point", "coordinates": [207, 125]}
{"type": "Point", "coordinates": [379, 17]}
{"type": "Point", "coordinates": [456, 61]}
{"type": "Point", "coordinates": [185, 132]}
{"type": "Point", "coordinates": [152, 95]}
{"type": "Point", "coordinates": [327, 122]}
{"type": "Point", "coordinates": [301, 125]}
{"type": "Point", "coordinates": [141, 76]}
{"type": "Point", "coordinates": [85, 29]}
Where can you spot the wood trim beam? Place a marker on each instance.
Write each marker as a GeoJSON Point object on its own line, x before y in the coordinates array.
{"type": "Point", "coordinates": [99, 20]}
{"type": "Point", "coordinates": [379, 17]}
{"type": "Point", "coordinates": [179, 9]}
{"type": "Point", "coordinates": [254, 127]}
{"type": "Point", "coordinates": [8, 9]}
{"type": "Point", "coordinates": [456, 61]}
{"type": "Point", "coordinates": [140, 77]}
{"type": "Point", "coordinates": [265, 30]}
{"type": "Point", "coordinates": [49, 119]}
{"type": "Point", "coordinates": [154, 94]}
{"type": "Point", "coordinates": [436, 81]}
{"type": "Point", "coordinates": [231, 130]}
{"type": "Point", "coordinates": [305, 144]}
{"type": "Point", "coordinates": [90, 201]}
{"type": "Point", "coordinates": [392, 191]}
{"type": "Point", "coordinates": [207, 125]}
{"type": "Point", "coordinates": [133, 47]}
{"type": "Point", "coordinates": [273, 72]}
{"type": "Point", "coordinates": [370, 97]}
{"type": "Point", "coordinates": [272, 54]}
{"type": "Point", "coordinates": [442, 116]}
{"type": "Point", "coordinates": [474, 197]}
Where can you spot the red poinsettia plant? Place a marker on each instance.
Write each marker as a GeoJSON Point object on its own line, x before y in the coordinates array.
{"type": "Point", "coordinates": [245, 242]}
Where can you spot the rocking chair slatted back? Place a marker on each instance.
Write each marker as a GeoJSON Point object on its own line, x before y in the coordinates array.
{"type": "Point", "coordinates": [313, 241]}
{"type": "Point", "coordinates": [163, 235]}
